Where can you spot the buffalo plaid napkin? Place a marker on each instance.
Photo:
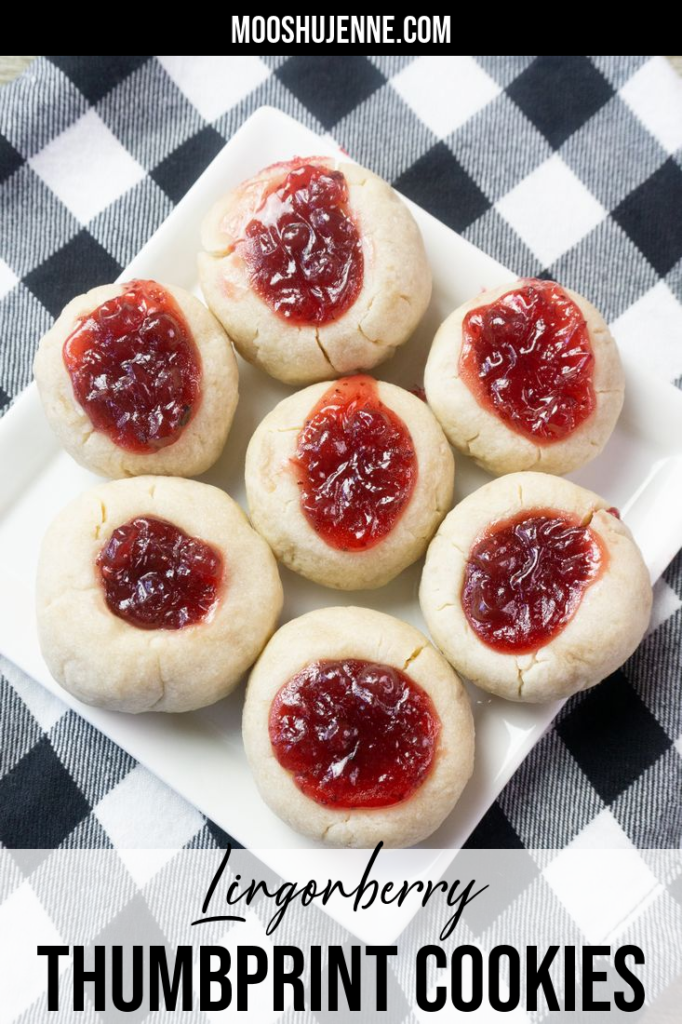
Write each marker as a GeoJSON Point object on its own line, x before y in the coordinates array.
{"type": "Point", "coordinates": [564, 166]}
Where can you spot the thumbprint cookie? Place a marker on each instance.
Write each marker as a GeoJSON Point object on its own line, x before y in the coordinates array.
{"type": "Point", "coordinates": [526, 376]}
{"type": "Point", "coordinates": [534, 588]}
{"type": "Point", "coordinates": [357, 730]}
{"type": "Point", "coordinates": [154, 594]}
{"type": "Point", "coordinates": [315, 268]}
{"type": "Point", "coordinates": [138, 378]}
{"type": "Point", "coordinates": [348, 481]}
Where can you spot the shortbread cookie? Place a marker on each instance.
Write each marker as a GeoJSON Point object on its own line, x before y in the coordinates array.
{"type": "Point", "coordinates": [154, 594]}
{"type": "Point", "coordinates": [315, 268]}
{"type": "Point", "coordinates": [534, 589]}
{"type": "Point", "coordinates": [138, 378]}
{"type": "Point", "coordinates": [348, 481]}
{"type": "Point", "coordinates": [526, 376]}
{"type": "Point", "coordinates": [357, 730]}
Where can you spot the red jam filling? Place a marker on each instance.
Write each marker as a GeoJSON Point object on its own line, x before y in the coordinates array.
{"type": "Point", "coordinates": [135, 368]}
{"type": "Point", "coordinates": [155, 576]}
{"type": "Point", "coordinates": [356, 466]}
{"type": "Point", "coordinates": [354, 733]}
{"type": "Point", "coordinates": [526, 576]}
{"type": "Point", "coordinates": [302, 248]}
{"type": "Point", "coordinates": [527, 357]}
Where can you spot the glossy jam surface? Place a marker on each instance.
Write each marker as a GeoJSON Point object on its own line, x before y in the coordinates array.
{"type": "Point", "coordinates": [354, 733]}
{"type": "Point", "coordinates": [155, 576]}
{"type": "Point", "coordinates": [356, 466]}
{"type": "Point", "coordinates": [528, 358]}
{"type": "Point", "coordinates": [135, 368]}
{"type": "Point", "coordinates": [303, 249]}
{"type": "Point", "coordinates": [526, 576]}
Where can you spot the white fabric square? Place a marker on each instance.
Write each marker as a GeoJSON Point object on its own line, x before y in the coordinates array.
{"type": "Point", "coordinates": [8, 279]}
{"type": "Point", "coordinates": [602, 833]}
{"type": "Point", "coordinates": [551, 210]}
{"type": "Point", "coordinates": [445, 91]}
{"type": "Point", "coordinates": [87, 167]}
{"type": "Point", "coordinates": [666, 603]}
{"type": "Point", "coordinates": [652, 328]}
{"type": "Point", "coordinates": [654, 94]}
{"type": "Point", "coordinates": [215, 84]}
{"type": "Point", "coordinates": [23, 924]}
{"type": "Point", "coordinates": [601, 880]}
{"type": "Point", "coordinates": [142, 814]}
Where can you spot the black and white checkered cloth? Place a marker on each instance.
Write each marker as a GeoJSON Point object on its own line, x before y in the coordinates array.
{"type": "Point", "coordinates": [568, 166]}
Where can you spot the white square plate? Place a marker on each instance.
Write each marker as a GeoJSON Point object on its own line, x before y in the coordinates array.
{"type": "Point", "coordinates": [200, 754]}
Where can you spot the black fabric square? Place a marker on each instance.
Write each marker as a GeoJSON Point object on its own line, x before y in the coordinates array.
{"type": "Point", "coordinates": [650, 216]}
{"type": "Point", "coordinates": [330, 87]}
{"type": "Point", "coordinates": [10, 160]}
{"type": "Point", "coordinates": [494, 832]}
{"type": "Point", "coordinates": [96, 76]}
{"type": "Point", "coordinates": [40, 804]}
{"type": "Point", "coordinates": [439, 183]}
{"type": "Point", "coordinates": [658, 789]}
{"type": "Point", "coordinates": [222, 839]}
{"type": "Point", "coordinates": [182, 167]}
{"type": "Point", "coordinates": [613, 736]}
{"type": "Point", "coordinates": [80, 264]}
{"type": "Point", "coordinates": [5, 399]}
{"type": "Point", "coordinates": [558, 94]}
{"type": "Point", "coordinates": [95, 763]}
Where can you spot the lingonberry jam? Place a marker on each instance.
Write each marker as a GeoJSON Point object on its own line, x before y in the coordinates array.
{"type": "Point", "coordinates": [356, 466]}
{"type": "Point", "coordinates": [526, 576]}
{"type": "Point", "coordinates": [155, 576]}
{"type": "Point", "coordinates": [354, 733]}
{"type": "Point", "coordinates": [302, 248]}
{"type": "Point", "coordinates": [135, 368]}
{"type": "Point", "coordinates": [528, 358]}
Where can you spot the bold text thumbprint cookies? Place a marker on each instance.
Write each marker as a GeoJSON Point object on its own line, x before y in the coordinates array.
{"type": "Point", "coordinates": [534, 589]}
{"type": "Point", "coordinates": [315, 269]}
{"type": "Point", "coordinates": [154, 594]}
{"type": "Point", "coordinates": [357, 730]}
{"type": "Point", "coordinates": [526, 377]}
{"type": "Point", "coordinates": [138, 378]}
{"type": "Point", "coordinates": [347, 481]}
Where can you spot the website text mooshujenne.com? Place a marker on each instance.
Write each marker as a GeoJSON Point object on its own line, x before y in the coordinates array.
{"type": "Point", "coordinates": [342, 28]}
